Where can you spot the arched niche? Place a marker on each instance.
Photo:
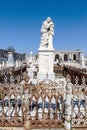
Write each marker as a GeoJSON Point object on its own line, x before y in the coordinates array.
{"type": "Point", "coordinates": [74, 56]}
{"type": "Point", "coordinates": [56, 57]}
{"type": "Point", "coordinates": [65, 57]}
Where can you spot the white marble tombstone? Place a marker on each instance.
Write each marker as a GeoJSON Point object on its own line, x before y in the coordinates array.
{"type": "Point", "coordinates": [10, 62]}
{"type": "Point", "coordinates": [82, 60]}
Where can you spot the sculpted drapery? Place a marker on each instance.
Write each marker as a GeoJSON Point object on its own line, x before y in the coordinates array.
{"type": "Point", "coordinates": [47, 31]}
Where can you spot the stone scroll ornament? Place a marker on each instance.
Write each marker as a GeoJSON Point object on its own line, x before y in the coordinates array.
{"type": "Point", "coordinates": [47, 31]}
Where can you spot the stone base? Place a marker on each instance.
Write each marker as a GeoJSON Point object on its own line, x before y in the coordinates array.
{"type": "Point", "coordinates": [11, 128]}
{"type": "Point", "coordinates": [67, 125]}
{"type": "Point", "coordinates": [10, 65]}
{"type": "Point", "coordinates": [21, 128]}
{"type": "Point", "coordinates": [44, 76]}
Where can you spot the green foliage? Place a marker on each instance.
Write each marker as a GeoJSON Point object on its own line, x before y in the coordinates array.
{"type": "Point", "coordinates": [36, 56]}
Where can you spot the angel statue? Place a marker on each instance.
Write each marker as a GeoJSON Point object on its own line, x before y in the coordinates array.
{"type": "Point", "coordinates": [47, 31]}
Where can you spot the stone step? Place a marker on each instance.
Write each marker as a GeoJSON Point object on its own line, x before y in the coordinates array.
{"type": "Point", "coordinates": [21, 128]}
{"type": "Point", "coordinates": [11, 128]}
{"type": "Point", "coordinates": [61, 129]}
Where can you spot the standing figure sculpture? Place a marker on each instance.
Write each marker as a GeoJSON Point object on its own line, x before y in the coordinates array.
{"type": "Point", "coordinates": [47, 31]}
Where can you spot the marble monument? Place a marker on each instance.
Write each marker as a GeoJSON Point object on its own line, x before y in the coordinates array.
{"type": "Point", "coordinates": [46, 51]}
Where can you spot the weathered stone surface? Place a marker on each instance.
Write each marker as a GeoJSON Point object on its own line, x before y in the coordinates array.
{"type": "Point", "coordinates": [11, 128]}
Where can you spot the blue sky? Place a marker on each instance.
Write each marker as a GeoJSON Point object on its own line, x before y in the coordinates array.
{"type": "Point", "coordinates": [21, 20]}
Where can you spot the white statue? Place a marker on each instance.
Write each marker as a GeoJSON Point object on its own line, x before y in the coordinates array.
{"type": "Point", "coordinates": [47, 31]}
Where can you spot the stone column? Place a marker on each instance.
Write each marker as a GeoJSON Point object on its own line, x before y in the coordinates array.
{"type": "Point", "coordinates": [62, 57]}
{"type": "Point", "coordinates": [26, 102]}
{"type": "Point", "coordinates": [26, 111]}
{"type": "Point", "coordinates": [70, 57]}
{"type": "Point", "coordinates": [31, 57]}
{"type": "Point", "coordinates": [68, 103]}
{"type": "Point", "coordinates": [82, 60]}
{"type": "Point", "coordinates": [3, 64]}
